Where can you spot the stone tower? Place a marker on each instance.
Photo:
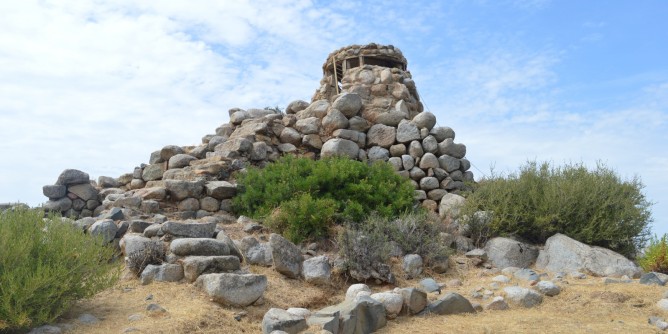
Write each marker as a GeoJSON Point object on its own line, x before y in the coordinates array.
{"type": "Point", "coordinates": [367, 108]}
{"type": "Point", "coordinates": [376, 73]}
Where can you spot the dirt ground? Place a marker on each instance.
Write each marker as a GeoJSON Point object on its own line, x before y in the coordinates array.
{"type": "Point", "coordinates": [584, 306]}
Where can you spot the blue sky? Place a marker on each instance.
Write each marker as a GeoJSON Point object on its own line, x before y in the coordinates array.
{"type": "Point", "coordinates": [98, 85]}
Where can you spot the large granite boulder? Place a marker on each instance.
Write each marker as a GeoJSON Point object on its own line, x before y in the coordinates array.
{"type": "Point", "coordinates": [280, 320]}
{"type": "Point", "coordinates": [563, 254]}
{"type": "Point", "coordinates": [233, 289]}
{"type": "Point", "coordinates": [505, 252]}
{"type": "Point", "coordinates": [362, 314]}
{"type": "Point", "coordinates": [287, 257]}
{"type": "Point", "coordinates": [451, 303]}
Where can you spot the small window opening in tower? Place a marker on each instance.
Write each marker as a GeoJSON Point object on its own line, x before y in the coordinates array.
{"type": "Point", "coordinates": [352, 62]}
{"type": "Point", "coordinates": [382, 62]}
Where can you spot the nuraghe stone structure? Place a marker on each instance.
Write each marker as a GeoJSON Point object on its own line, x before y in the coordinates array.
{"type": "Point", "coordinates": [367, 107]}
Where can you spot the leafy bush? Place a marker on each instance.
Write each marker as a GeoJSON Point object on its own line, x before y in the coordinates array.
{"type": "Point", "coordinates": [352, 188]}
{"type": "Point", "coordinates": [315, 216]}
{"type": "Point", "coordinates": [137, 261]}
{"type": "Point", "coordinates": [655, 257]}
{"type": "Point", "coordinates": [46, 265]}
{"type": "Point", "coordinates": [368, 246]}
{"type": "Point", "coordinates": [593, 206]}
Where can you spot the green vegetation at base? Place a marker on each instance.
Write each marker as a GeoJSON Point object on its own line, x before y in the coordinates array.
{"type": "Point", "coordinates": [655, 257]}
{"type": "Point", "coordinates": [594, 206]}
{"type": "Point", "coordinates": [363, 245]}
{"type": "Point", "coordinates": [302, 197]}
{"type": "Point", "coordinates": [45, 266]}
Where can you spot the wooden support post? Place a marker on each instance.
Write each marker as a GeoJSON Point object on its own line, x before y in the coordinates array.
{"type": "Point", "coordinates": [336, 79]}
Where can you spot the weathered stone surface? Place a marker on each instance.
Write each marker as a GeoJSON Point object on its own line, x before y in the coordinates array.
{"type": "Point", "coordinates": [547, 288]}
{"type": "Point", "coordinates": [59, 205]}
{"type": "Point", "coordinates": [132, 243]}
{"type": "Point", "coordinates": [436, 194]}
{"type": "Point", "coordinates": [189, 204]}
{"type": "Point", "coordinates": [355, 289]}
{"type": "Point", "coordinates": [334, 120]}
{"type": "Point", "coordinates": [296, 106]}
{"type": "Point", "coordinates": [381, 135]}
{"type": "Point", "coordinates": [189, 230]}
{"type": "Point", "coordinates": [396, 163]}
{"type": "Point", "coordinates": [412, 265]}
{"type": "Point", "coordinates": [220, 189]}
{"type": "Point", "coordinates": [234, 147]}
{"type": "Point", "coordinates": [392, 302]}
{"type": "Point", "coordinates": [105, 228]}
{"type": "Point", "coordinates": [180, 160]}
{"type": "Point", "coordinates": [497, 304]}
{"type": "Point", "coordinates": [180, 189]}
{"type": "Point", "coordinates": [415, 149]}
{"type": "Point", "coordinates": [424, 120]}
{"type": "Point", "coordinates": [339, 147]}
{"type": "Point", "coordinates": [562, 253]}
{"type": "Point", "coordinates": [255, 252]}
{"type": "Point", "coordinates": [429, 144]}
{"type": "Point", "coordinates": [286, 148]}
{"type": "Point", "coordinates": [522, 296]}
{"type": "Point", "coordinates": [317, 270]}
{"type": "Point", "coordinates": [526, 274]}
{"type": "Point", "coordinates": [55, 191]}
{"type": "Point", "coordinates": [360, 315]}
{"type": "Point", "coordinates": [407, 132]}
{"type": "Point", "coordinates": [448, 163]}
{"type": "Point", "coordinates": [199, 247]}
{"type": "Point", "coordinates": [280, 320]}
{"type": "Point", "coordinates": [442, 133]}
{"type": "Point", "coordinates": [652, 278]}
{"type": "Point", "coordinates": [357, 123]}
{"type": "Point", "coordinates": [415, 300]}
{"type": "Point", "coordinates": [233, 289]}
{"type": "Point", "coordinates": [209, 204]}
{"type": "Point", "coordinates": [316, 109]}
{"type": "Point", "coordinates": [312, 141]}
{"type": "Point", "coordinates": [392, 118]}
{"type": "Point", "coordinates": [290, 136]}
{"type": "Point", "coordinates": [194, 266]}
{"type": "Point", "coordinates": [310, 125]}
{"type": "Point", "coordinates": [450, 205]}
{"type": "Point", "coordinates": [430, 285]}
{"type": "Point", "coordinates": [429, 160]}
{"type": "Point", "coordinates": [170, 151]}
{"type": "Point", "coordinates": [348, 104]}
{"type": "Point", "coordinates": [505, 252]}
{"type": "Point", "coordinates": [153, 172]}
{"type": "Point", "coordinates": [378, 153]}
{"type": "Point", "coordinates": [416, 173]}
{"type": "Point", "coordinates": [70, 177]}
{"type": "Point", "coordinates": [448, 147]}
{"type": "Point", "coordinates": [451, 303]}
{"type": "Point", "coordinates": [428, 183]}
{"type": "Point", "coordinates": [287, 257]}
{"type": "Point", "coordinates": [163, 273]}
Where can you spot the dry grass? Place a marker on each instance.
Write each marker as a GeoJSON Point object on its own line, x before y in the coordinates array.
{"type": "Point", "coordinates": [584, 306]}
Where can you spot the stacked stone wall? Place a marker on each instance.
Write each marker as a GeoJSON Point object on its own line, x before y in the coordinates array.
{"type": "Point", "coordinates": [377, 115]}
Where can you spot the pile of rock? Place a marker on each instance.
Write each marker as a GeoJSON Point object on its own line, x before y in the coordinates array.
{"type": "Point", "coordinates": [73, 194]}
{"type": "Point", "coordinates": [376, 115]}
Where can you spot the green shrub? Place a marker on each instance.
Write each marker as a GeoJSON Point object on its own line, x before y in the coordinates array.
{"type": "Point", "coordinates": [655, 257]}
{"type": "Point", "coordinates": [593, 206]}
{"type": "Point", "coordinates": [46, 265]}
{"type": "Point", "coordinates": [354, 189]}
{"type": "Point", "coordinates": [303, 217]}
{"type": "Point", "coordinates": [368, 245]}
